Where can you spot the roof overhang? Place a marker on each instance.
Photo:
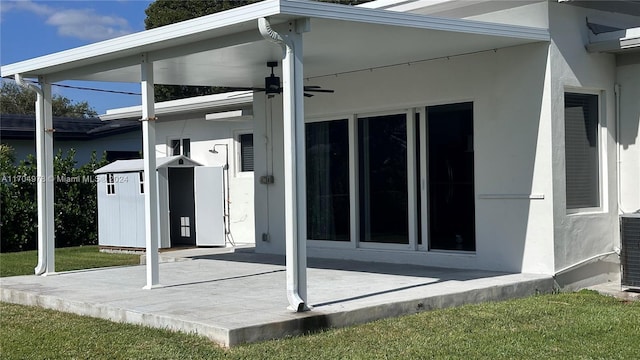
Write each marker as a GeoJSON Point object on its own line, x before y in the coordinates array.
{"type": "Point", "coordinates": [615, 42]}
{"type": "Point", "coordinates": [226, 48]}
{"type": "Point", "coordinates": [236, 100]}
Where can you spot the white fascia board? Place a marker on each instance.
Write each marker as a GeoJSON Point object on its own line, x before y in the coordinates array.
{"type": "Point", "coordinates": [144, 41]}
{"type": "Point", "coordinates": [383, 4]}
{"type": "Point", "coordinates": [391, 18]}
{"type": "Point", "coordinates": [206, 102]}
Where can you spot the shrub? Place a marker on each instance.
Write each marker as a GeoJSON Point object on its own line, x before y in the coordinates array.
{"type": "Point", "coordinates": [75, 200]}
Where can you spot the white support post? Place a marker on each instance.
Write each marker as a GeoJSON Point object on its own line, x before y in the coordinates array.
{"type": "Point", "coordinates": [150, 175]}
{"type": "Point", "coordinates": [44, 174]}
{"type": "Point", "coordinates": [294, 168]}
{"type": "Point", "coordinates": [49, 179]}
{"type": "Point", "coordinates": [295, 207]}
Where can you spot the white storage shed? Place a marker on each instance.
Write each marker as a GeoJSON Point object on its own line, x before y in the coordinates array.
{"type": "Point", "coordinates": [190, 198]}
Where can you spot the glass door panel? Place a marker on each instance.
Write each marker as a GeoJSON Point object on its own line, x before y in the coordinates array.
{"type": "Point", "coordinates": [451, 176]}
{"type": "Point", "coordinates": [382, 177]}
{"type": "Point", "coordinates": [327, 162]}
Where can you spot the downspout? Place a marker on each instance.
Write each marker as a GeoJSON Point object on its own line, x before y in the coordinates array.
{"type": "Point", "coordinates": [41, 268]}
{"type": "Point", "coordinates": [296, 285]}
{"type": "Point", "coordinates": [616, 88]}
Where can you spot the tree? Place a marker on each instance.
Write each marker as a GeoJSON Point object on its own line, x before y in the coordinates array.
{"type": "Point", "coordinates": [165, 12]}
{"type": "Point", "coordinates": [15, 99]}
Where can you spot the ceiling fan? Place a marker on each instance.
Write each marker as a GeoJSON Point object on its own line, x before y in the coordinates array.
{"type": "Point", "coordinates": [272, 85]}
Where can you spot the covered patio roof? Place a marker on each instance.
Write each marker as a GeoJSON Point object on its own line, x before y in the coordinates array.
{"type": "Point", "coordinates": [226, 48]}
{"type": "Point", "coordinates": [231, 48]}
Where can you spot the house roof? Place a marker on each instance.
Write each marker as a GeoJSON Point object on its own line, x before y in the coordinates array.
{"type": "Point", "coordinates": [226, 48]}
{"type": "Point", "coordinates": [23, 127]}
{"type": "Point", "coordinates": [135, 165]}
{"type": "Point", "coordinates": [236, 100]}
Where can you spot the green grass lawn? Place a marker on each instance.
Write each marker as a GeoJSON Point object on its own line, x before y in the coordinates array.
{"type": "Point", "coordinates": [581, 325]}
{"type": "Point", "coordinates": [563, 326]}
{"type": "Point", "coordinates": [73, 258]}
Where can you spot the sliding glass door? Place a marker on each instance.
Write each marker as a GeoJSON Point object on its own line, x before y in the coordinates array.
{"type": "Point", "coordinates": [451, 204]}
{"type": "Point", "coordinates": [328, 196]}
{"type": "Point", "coordinates": [400, 180]}
{"type": "Point", "coordinates": [382, 179]}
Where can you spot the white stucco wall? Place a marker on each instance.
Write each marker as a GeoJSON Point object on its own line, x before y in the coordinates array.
{"type": "Point", "coordinates": [203, 135]}
{"type": "Point", "coordinates": [628, 76]}
{"type": "Point", "coordinates": [581, 235]}
{"type": "Point", "coordinates": [512, 130]}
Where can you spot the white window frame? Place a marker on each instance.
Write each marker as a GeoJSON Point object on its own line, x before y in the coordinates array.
{"type": "Point", "coordinates": [237, 153]}
{"type": "Point", "coordinates": [181, 140]}
{"type": "Point", "coordinates": [110, 184]}
{"type": "Point", "coordinates": [601, 150]}
{"type": "Point", "coordinates": [141, 182]}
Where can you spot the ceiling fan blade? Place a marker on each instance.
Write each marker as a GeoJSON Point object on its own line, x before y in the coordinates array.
{"type": "Point", "coordinates": [247, 92]}
{"type": "Point", "coordinates": [241, 88]}
{"type": "Point", "coordinates": [320, 90]}
{"type": "Point", "coordinates": [308, 95]}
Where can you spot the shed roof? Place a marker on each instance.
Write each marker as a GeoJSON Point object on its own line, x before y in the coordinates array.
{"type": "Point", "coordinates": [226, 48]}
{"type": "Point", "coordinates": [135, 165]}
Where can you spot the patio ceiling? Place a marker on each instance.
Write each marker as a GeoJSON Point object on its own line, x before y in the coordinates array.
{"type": "Point", "coordinates": [226, 49]}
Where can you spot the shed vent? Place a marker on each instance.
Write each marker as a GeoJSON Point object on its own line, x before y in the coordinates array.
{"type": "Point", "coordinates": [630, 256]}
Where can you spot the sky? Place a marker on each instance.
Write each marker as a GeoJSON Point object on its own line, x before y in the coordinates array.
{"type": "Point", "coordinates": [30, 28]}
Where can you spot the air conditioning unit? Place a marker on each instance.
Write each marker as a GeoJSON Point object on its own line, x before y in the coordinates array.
{"type": "Point", "coordinates": [630, 252]}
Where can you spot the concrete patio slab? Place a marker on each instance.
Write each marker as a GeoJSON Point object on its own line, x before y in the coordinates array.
{"type": "Point", "coordinates": [240, 297]}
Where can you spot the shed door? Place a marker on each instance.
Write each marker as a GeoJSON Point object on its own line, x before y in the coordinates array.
{"type": "Point", "coordinates": [181, 207]}
{"type": "Point", "coordinates": [209, 206]}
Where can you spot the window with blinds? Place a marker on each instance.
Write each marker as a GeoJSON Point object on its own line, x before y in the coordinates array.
{"type": "Point", "coordinates": [246, 152]}
{"type": "Point", "coordinates": [581, 150]}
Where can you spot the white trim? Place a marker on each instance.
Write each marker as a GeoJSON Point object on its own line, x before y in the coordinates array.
{"type": "Point", "coordinates": [371, 245]}
{"type": "Point", "coordinates": [510, 196]}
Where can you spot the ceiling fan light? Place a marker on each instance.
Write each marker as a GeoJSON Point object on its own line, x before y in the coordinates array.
{"type": "Point", "coordinates": [272, 85]}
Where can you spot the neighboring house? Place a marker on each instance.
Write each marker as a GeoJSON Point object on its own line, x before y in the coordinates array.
{"type": "Point", "coordinates": [119, 140]}
{"type": "Point", "coordinates": [494, 135]}
{"type": "Point", "coordinates": [194, 127]}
